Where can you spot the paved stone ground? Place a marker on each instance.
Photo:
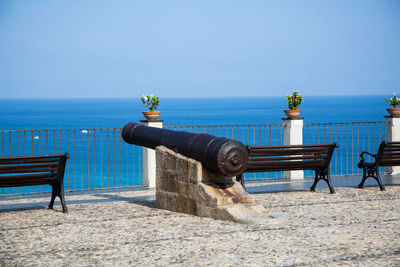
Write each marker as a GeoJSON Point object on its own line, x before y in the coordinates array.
{"type": "Point", "coordinates": [353, 227]}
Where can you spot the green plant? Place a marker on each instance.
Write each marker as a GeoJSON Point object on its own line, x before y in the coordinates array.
{"type": "Point", "coordinates": [150, 101]}
{"type": "Point", "coordinates": [294, 100]}
{"type": "Point", "coordinates": [394, 101]}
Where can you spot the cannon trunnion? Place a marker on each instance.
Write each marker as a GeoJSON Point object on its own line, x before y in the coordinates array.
{"type": "Point", "coordinates": [217, 154]}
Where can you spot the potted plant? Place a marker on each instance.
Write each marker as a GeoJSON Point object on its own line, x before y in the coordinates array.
{"type": "Point", "coordinates": [394, 101]}
{"type": "Point", "coordinates": [151, 102]}
{"type": "Point", "coordinates": [294, 101]}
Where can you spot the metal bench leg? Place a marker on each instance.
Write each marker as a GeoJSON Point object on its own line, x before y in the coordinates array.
{"type": "Point", "coordinates": [323, 174]}
{"type": "Point", "coordinates": [53, 196]}
{"type": "Point", "coordinates": [361, 185]}
{"type": "Point", "coordinates": [312, 188]}
{"type": "Point", "coordinates": [64, 205]}
{"type": "Point", "coordinates": [240, 178]}
{"type": "Point", "coordinates": [328, 181]}
{"type": "Point", "coordinates": [58, 191]}
{"type": "Point", "coordinates": [378, 179]}
{"type": "Point", "coordinates": [373, 172]}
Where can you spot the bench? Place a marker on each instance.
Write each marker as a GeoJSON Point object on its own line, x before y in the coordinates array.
{"type": "Point", "coordinates": [388, 155]}
{"type": "Point", "coordinates": [35, 170]}
{"type": "Point", "coordinates": [290, 158]}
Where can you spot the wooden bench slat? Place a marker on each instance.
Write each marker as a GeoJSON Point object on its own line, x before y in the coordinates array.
{"type": "Point", "coordinates": [34, 157]}
{"type": "Point", "coordinates": [296, 168]}
{"type": "Point", "coordinates": [391, 149]}
{"type": "Point", "coordinates": [30, 170]}
{"type": "Point", "coordinates": [287, 152]}
{"type": "Point", "coordinates": [393, 144]}
{"type": "Point", "coordinates": [4, 179]}
{"type": "Point", "coordinates": [49, 181]}
{"type": "Point", "coordinates": [288, 146]}
{"type": "Point", "coordinates": [26, 166]}
{"type": "Point", "coordinates": [390, 162]}
{"type": "Point", "coordinates": [286, 164]}
{"type": "Point", "coordinates": [23, 180]}
{"type": "Point", "coordinates": [388, 158]}
{"type": "Point", "coordinates": [286, 158]}
{"type": "Point", "coordinates": [278, 168]}
{"type": "Point", "coordinates": [27, 161]}
{"type": "Point", "coordinates": [391, 154]}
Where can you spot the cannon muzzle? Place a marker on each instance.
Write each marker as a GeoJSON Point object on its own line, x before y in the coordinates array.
{"type": "Point", "coordinates": [217, 154]}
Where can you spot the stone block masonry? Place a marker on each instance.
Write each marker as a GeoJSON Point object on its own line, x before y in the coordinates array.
{"type": "Point", "coordinates": [183, 185]}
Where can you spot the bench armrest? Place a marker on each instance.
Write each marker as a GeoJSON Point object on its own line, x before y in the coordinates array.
{"type": "Point", "coordinates": [363, 153]}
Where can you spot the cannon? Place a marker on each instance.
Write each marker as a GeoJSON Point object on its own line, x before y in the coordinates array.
{"type": "Point", "coordinates": [217, 154]}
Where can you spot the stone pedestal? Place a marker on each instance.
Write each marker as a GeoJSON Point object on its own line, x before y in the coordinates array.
{"type": "Point", "coordinates": [392, 134]}
{"type": "Point", "coordinates": [183, 185]}
{"type": "Point", "coordinates": [293, 135]}
{"type": "Point", "coordinates": [149, 158]}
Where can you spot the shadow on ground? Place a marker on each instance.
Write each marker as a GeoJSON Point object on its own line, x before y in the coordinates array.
{"type": "Point", "coordinates": [147, 201]}
{"type": "Point", "coordinates": [112, 195]}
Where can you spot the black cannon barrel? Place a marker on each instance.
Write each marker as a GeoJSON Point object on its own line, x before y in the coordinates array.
{"type": "Point", "coordinates": [217, 154]}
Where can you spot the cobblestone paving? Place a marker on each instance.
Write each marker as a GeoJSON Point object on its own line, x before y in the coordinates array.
{"type": "Point", "coordinates": [353, 227]}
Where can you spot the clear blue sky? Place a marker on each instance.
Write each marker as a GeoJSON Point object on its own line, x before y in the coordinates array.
{"type": "Point", "coordinates": [203, 48]}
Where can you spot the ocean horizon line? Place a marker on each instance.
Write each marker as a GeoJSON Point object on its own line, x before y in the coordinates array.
{"type": "Point", "coordinates": [191, 97]}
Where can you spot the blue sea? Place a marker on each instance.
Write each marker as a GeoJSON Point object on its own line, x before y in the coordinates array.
{"type": "Point", "coordinates": [96, 113]}
{"type": "Point", "coordinates": [99, 158]}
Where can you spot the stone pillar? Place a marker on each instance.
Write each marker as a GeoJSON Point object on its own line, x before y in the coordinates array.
{"type": "Point", "coordinates": [149, 158]}
{"type": "Point", "coordinates": [392, 134]}
{"type": "Point", "coordinates": [293, 135]}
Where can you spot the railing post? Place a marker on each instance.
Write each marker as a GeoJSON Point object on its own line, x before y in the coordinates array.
{"type": "Point", "coordinates": [293, 135]}
{"type": "Point", "coordinates": [392, 134]}
{"type": "Point", "coordinates": [149, 158]}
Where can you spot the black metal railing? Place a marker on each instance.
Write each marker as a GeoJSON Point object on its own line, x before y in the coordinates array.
{"type": "Point", "coordinates": [98, 156]}
{"type": "Point", "coordinates": [100, 159]}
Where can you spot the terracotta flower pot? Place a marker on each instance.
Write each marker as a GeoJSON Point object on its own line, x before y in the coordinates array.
{"type": "Point", "coordinates": [151, 115]}
{"type": "Point", "coordinates": [292, 114]}
{"type": "Point", "coordinates": [394, 112]}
